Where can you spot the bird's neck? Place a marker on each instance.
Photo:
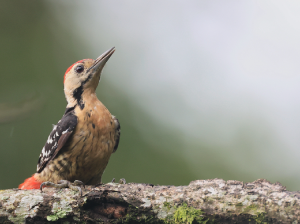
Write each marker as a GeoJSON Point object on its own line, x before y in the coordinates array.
{"type": "Point", "coordinates": [81, 99]}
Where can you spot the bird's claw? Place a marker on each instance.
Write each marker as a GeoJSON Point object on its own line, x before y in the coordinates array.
{"type": "Point", "coordinates": [64, 184]}
{"type": "Point", "coordinates": [79, 183]}
{"type": "Point", "coordinates": [121, 181]}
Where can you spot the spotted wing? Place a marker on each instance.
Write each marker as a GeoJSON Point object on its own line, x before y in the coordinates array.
{"type": "Point", "coordinates": [117, 133]}
{"type": "Point", "coordinates": [57, 138]}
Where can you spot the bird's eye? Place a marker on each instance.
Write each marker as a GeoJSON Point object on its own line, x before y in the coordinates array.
{"type": "Point", "coordinates": [79, 68]}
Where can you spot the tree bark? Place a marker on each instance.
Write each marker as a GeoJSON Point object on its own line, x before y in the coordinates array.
{"type": "Point", "coordinates": [202, 201]}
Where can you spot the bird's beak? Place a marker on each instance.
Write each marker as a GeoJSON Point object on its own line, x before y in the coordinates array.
{"type": "Point", "coordinates": [101, 60]}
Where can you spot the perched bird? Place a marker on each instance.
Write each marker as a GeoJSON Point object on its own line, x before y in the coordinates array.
{"type": "Point", "coordinates": [80, 145]}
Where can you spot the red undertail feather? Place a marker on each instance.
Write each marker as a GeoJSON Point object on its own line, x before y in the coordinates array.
{"type": "Point", "coordinates": [30, 183]}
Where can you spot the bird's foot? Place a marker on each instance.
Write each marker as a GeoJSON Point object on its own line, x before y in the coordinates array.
{"type": "Point", "coordinates": [121, 181]}
{"type": "Point", "coordinates": [64, 184]}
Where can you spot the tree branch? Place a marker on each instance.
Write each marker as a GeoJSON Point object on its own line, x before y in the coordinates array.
{"type": "Point", "coordinates": [202, 201]}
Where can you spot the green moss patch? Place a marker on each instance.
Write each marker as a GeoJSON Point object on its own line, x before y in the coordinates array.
{"type": "Point", "coordinates": [58, 215]}
{"type": "Point", "coordinates": [186, 215]}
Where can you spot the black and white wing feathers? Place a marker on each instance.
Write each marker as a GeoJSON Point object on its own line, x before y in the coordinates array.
{"type": "Point", "coordinates": [57, 138]}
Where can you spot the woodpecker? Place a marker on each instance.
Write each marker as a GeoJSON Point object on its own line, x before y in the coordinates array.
{"type": "Point", "coordinates": [81, 143]}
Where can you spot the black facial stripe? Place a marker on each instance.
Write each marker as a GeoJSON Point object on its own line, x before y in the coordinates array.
{"type": "Point", "coordinates": [77, 93]}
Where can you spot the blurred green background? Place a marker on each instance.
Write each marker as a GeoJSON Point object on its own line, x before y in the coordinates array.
{"type": "Point", "coordinates": [202, 90]}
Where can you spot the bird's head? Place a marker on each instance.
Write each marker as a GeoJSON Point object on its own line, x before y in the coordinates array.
{"type": "Point", "coordinates": [84, 76]}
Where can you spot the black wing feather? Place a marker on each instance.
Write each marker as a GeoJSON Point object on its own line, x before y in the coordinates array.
{"type": "Point", "coordinates": [117, 133]}
{"type": "Point", "coordinates": [57, 138]}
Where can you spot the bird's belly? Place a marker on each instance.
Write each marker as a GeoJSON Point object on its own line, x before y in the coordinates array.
{"type": "Point", "coordinates": [91, 155]}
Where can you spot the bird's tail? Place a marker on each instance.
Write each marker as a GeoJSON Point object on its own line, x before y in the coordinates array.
{"type": "Point", "coordinates": [30, 183]}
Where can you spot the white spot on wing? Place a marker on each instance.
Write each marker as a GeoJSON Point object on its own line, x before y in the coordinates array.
{"type": "Point", "coordinates": [44, 154]}
{"type": "Point", "coordinates": [64, 132]}
{"type": "Point", "coordinates": [49, 140]}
